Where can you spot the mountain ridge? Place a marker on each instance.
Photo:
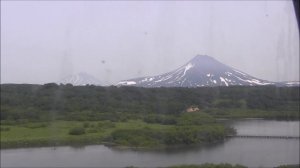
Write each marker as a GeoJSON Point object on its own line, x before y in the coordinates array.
{"type": "Point", "coordinates": [200, 71]}
{"type": "Point", "coordinates": [80, 79]}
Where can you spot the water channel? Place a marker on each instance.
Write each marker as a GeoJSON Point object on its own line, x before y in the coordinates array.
{"type": "Point", "coordinates": [251, 152]}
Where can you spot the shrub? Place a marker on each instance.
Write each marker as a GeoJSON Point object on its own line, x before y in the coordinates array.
{"type": "Point", "coordinates": [86, 124]}
{"type": "Point", "coordinates": [162, 119]}
{"type": "Point", "coordinates": [137, 137]}
{"type": "Point", "coordinates": [77, 131]}
{"type": "Point", "coordinates": [35, 125]}
{"type": "Point", "coordinates": [8, 122]}
{"type": "Point", "coordinates": [195, 118]}
{"type": "Point", "coordinates": [106, 124]}
{"type": "Point", "coordinates": [92, 130]}
{"type": "Point", "coordinates": [4, 129]}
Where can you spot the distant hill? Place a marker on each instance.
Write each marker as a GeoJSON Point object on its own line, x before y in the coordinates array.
{"type": "Point", "coordinates": [80, 79]}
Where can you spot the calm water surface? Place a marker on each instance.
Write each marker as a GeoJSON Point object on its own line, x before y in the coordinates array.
{"type": "Point", "coordinates": [250, 152]}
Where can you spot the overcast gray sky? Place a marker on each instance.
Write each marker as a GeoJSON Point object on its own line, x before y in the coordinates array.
{"type": "Point", "coordinates": [44, 41]}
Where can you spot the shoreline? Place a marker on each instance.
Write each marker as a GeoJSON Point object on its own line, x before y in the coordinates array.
{"type": "Point", "coordinates": [110, 145]}
{"type": "Point", "coordinates": [78, 141]}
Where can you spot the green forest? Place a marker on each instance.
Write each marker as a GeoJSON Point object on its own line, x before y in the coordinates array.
{"type": "Point", "coordinates": [67, 102]}
{"type": "Point", "coordinates": [51, 114]}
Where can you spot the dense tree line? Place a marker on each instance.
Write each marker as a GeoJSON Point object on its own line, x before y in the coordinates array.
{"type": "Point", "coordinates": [209, 165]}
{"type": "Point", "coordinates": [52, 101]}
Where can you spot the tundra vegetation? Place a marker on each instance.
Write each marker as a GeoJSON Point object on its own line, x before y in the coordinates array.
{"type": "Point", "coordinates": [221, 165]}
{"type": "Point", "coordinates": [209, 165]}
{"type": "Point", "coordinates": [51, 114]}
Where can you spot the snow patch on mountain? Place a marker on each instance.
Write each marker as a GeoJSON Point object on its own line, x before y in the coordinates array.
{"type": "Point", "coordinates": [80, 79]}
{"type": "Point", "coordinates": [223, 80]}
{"type": "Point", "coordinates": [127, 83]}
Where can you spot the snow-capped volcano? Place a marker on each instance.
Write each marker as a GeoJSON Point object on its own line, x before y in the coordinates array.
{"type": "Point", "coordinates": [80, 79]}
{"type": "Point", "coordinates": [201, 71]}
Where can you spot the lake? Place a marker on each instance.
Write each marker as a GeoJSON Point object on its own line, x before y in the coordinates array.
{"type": "Point", "coordinates": [251, 152]}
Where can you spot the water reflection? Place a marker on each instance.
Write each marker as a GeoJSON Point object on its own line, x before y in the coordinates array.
{"type": "Point", "coordinates": [252, 152]}
{"type": "Point", "coordinates": [265, 127]}
{"type": "Point", "coordinates": [171, 150]}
